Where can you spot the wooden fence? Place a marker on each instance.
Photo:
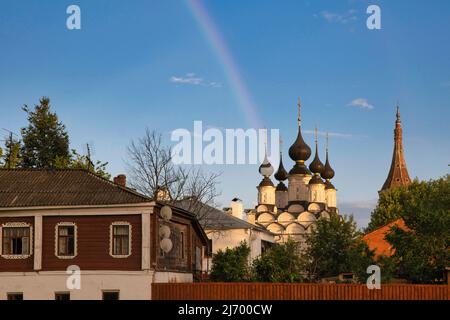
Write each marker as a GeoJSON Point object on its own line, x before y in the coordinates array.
{"type": "Point", "coordinates": [288, 291]}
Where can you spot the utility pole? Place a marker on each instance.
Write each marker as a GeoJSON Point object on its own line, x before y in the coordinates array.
{"type": "Point", "coordinates": [90, 164]}
{"type": "Point", "coordinates": [10, 149]}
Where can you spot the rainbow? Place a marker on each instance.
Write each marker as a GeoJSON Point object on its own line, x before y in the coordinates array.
{"type": "Point", "coordinates": [231, 69]}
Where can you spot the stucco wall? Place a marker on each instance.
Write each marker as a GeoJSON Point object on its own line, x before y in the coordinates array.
{"type": "Point", "coordinates": [133, 285]}
{"type": "Point", "coordinates": [42, 286]}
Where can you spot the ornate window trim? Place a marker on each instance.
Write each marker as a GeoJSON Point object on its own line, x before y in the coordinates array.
{"type": "Point", "coordinates": [75, 239]}
{"type": "Point", "coordinates": [17, 225]}
{"type": "Point", "coordinates": [130, 228]}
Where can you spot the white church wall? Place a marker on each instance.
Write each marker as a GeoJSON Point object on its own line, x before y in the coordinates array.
{"type": "Point", "coordinates": [231, 238]}
{"type": "Point", "coordinates": [298, 187]}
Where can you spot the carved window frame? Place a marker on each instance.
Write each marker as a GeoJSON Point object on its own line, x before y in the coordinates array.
{"type": "Point", "coordinates": [30, 240]}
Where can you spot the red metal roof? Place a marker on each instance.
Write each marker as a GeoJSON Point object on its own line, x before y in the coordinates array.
{"type": "Point", "coordinates": [376, 241]}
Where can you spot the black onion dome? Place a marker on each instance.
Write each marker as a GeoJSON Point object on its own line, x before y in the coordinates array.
{"type": "Point", "coordinates": [281, 173]}
{"type": "Point", "coordinates": [328, 172]}
{"type": "Point", "coordinates": [316, 166]}
{"type": "Point", "coordinates": [299, 151]}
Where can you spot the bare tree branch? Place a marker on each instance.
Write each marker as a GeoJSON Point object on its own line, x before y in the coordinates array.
{"type": "Point", "coordinates": [153, 173]}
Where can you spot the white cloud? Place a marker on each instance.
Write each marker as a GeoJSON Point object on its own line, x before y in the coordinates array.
{"type": "Point", "coordinates": [343, 18]}
{"type": "Point", "coordinates": [192, 79]}
{"type": "Point", "coordinates": [361, 103]}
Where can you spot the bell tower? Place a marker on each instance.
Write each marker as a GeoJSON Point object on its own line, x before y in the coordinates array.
{"type": "Point", "coordinates": [398, 173]}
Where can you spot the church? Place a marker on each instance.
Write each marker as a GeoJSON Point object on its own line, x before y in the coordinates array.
{"type": "Point", "coordinates": [290, 211]}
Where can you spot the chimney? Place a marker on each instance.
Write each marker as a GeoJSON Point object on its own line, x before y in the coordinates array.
{"type": "Point", "coordinates": [121, 180]}
{"type": "Point", "coordinates": [237, 208]}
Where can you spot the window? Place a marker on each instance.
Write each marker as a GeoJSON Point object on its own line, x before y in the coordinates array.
{"type": "Point", "coordinates": [61, 296]}
{"type": "Point", "coordinates": [110, 295]}
{"type": "Point", "coordinates": [16, 239]}
{"type": "Point", "coordinates": [120, 246]}
{"type": "Point", "coordinates": [182, 245]}
{"type": "Point", "coordinates": [15, 296]}
{"type": "Point", "coordinates": [66, 240]}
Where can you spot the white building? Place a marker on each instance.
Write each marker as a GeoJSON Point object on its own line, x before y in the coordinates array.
{"type": "Point", "coordinates": [291, 211]}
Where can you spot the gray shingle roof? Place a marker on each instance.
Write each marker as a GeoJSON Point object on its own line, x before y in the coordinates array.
{"type": "Point", "coordinates": [61, 187]}
{"type": "Point", "coordinates": [215, 219]}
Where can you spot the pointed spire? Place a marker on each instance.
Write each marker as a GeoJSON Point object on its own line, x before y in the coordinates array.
{"type": "Point", "coordinates": [398, 173]}
{"type": "Point", "coordinates": [299, 119]}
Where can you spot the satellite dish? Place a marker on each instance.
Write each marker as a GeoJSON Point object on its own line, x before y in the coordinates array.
{"type": "Point", "coordinates": [164, 232]}
{"type": "Point", "coordinates": [166, 213]}
{"type": "Point", "coordinates": [166, 245]}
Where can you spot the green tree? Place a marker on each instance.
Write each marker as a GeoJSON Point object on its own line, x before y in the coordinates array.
{"type": "Point", "coordinates": [387, 209]}
{"type": "Point", "coordinates": [231, 265]}
{"type": "Point", "coordinates": [335, 246]}
{"type": "Point", "coordinates": [422, 251]}
{"type": "Point", "coordinates": [78, 161]}
{"type": "Point", "coordinates": [281, 263]}
{"type": "Point", "coordinates": [11, 155]}
{"type": "Point", "coordinates": [45, 139]}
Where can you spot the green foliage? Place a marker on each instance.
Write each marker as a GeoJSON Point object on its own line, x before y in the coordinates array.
{"type": "Point", "coordinates": [335, 246]}
{"type": "Point", "coordinates": [11, 156]}
{"type": "Point", "coordinates": [281, 263]}
{"type": "Point", "coordinates": [77, 161]}
{"type": "Point", "coordinates": [388, 208]}
{"type": "Point", "coordinates": [423, 251]}
{"type": "Point", "coordinates": [45, 139]}
{"type": "Point", "coordinates": [231, 265]}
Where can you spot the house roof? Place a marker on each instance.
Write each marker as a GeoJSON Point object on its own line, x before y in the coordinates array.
{"type": "Point", "coordinates": [212, 218]}
{"type": "Point", "coordinates": [376, 241]}
{"type": "Point", "coordinates": [61, 187]}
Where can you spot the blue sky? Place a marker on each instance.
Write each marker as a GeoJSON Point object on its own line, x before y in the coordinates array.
{"type": "Point", "coordinates": [112, 79]}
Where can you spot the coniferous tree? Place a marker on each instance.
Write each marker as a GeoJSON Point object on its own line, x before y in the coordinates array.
{"type": "Point", "coordinates": [11, 154]}
{"type": "Point", "coordinates": [45, 139]}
